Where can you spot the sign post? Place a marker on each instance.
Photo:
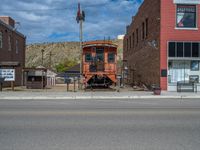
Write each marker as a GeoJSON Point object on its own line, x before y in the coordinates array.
{"type": "Point", "coordinates": [1, 83]}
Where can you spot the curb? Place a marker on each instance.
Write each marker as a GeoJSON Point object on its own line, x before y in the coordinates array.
{"type": "Point", "coordinates": [96, 97]}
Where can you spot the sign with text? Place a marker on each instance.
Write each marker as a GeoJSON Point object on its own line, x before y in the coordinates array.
{"type": "Point", "coordinates": [8, 74]}
{"type": "Point", "coordinates": [187, 1]}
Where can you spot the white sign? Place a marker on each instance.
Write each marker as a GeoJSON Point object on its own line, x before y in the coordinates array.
{"type": "Point", "coordinates": [8, 74]}
{"type": "Point", "coordinates": [187, 1]}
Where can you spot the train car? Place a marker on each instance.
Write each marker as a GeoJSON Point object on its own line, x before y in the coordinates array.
{"type": "Point", "coordinates": [99, 63]}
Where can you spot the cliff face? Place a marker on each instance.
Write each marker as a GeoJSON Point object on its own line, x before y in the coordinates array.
{"type": "Point", "coordinates": [60, 52]}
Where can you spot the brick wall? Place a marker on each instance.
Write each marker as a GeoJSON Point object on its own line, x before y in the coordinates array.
{"type": "Point", "coordinates": [169, 33]}
{"type": "Point", "coordinates": [143, 59]}
{"type": "Point", "coordinates": [7, 54]}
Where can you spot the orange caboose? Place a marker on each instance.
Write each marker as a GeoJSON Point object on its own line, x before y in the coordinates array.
{"type": "Point", "coordinates": [99, 63]}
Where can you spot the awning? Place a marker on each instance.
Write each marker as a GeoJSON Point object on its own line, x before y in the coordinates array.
{"type": "Point", "coordinates": [9, 64]}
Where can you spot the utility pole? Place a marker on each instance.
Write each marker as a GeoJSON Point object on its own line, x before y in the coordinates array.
{"type": "Point", "coordinates": [80, 18]}
{"type": "Point", "coordinates": [81, 48]}
{"type": "Point", "coordinates": [50, 59]}
{"type": "Point", "coordinates": [42, 56]}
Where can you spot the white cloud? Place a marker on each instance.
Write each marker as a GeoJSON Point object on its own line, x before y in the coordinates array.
{"type": "Point", "coordinates": [40, 19]}
{"type": "Point", "coordinates": [31, 16]}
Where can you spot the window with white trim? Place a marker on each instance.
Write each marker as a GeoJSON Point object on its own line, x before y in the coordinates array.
{"type": "Point", "coordinates": [184, 49]}
{"type": "Point", "coordinates": [186, 16]}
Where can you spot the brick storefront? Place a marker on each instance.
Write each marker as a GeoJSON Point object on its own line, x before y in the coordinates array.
{"type": "Point", "coordinates": [13, 47]}
{"type": "Point", "coordinates": [156, 24]}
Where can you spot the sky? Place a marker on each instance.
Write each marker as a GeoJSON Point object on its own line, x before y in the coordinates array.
{"type": "Point", "coordinates": [55, 20]}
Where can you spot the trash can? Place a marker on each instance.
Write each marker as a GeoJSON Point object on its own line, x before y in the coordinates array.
{"type": "Point", "coordinates": [156, 89]}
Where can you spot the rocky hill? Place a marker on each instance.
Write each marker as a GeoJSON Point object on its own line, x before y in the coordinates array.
{"type": "Point", "coordinates": [61, 52]}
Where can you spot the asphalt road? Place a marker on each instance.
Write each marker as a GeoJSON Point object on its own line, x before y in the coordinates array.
{"type": "Point", "coordinates": [100, 124]}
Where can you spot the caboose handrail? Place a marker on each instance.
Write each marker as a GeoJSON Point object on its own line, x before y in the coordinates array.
{"type": "Point", "coordinates": [93, 45]}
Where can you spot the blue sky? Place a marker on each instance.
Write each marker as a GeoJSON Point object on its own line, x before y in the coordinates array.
{"type": "Point", "coordinates": [54, 20]}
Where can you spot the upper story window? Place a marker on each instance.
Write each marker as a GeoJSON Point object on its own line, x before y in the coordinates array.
{"type": "Point", "coordinates": [17, 46]}
{"type": "Point", "coordinates": [133, 39]}
{"type": "Point", "coordinates": [9, 43]}
{"type": "Point", "coordinates": [127, 43]}
{"type": "Point", "coordinates": [146, 27]}
{"type": "Point", "coordinates": [137, 38]}
{"type": "Point", "coordinates": [143, 34]}
{"type": "Point", "coordinates": [186, 16]}
{"type": "Point", "coordinates": [1, 40]}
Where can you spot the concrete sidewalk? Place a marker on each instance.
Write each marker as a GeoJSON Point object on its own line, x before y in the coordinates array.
{"type": "Point", "coordinates": [95, 95]}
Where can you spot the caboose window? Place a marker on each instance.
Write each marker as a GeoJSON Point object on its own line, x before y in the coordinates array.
{"type": "Point", "coordinates": [111, 57]}
{"type": "Point", "coordinates": [88, 57]}
{"type": "Point", "coordinates": [100, 54]}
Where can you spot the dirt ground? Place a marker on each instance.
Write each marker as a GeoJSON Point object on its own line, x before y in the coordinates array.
{"type": "Point", "coordinates": [63, 88]}
{"type": "Point", "coordinates": [56, 88]}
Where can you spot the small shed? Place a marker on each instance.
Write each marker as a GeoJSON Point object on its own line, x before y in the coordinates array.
{"type": "Point", "coordinates": [51, 78]}
{"type": "Point", "coordinates": [35, 78]}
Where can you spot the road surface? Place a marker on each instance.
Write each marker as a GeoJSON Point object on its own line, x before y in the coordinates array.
{"type": "Point", "coordinates": [100, 124]}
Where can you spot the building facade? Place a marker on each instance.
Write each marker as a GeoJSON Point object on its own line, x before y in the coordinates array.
{"type": "Point", "coordinates": [12, 48]}
{"type": "Point", "coordinates": [162, 44]}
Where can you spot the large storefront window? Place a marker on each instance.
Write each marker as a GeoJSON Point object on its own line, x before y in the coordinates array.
{"type": "Point", "coordinates": [184, 49]}
{"type": "Point", "coordinates": [183, 62]}
{"type": "Point", "coordinates": [178, 71]}
{"type": "Point", "coordinates": [186, 16]}
{"type": "Point", "coordinates": [183, 70]}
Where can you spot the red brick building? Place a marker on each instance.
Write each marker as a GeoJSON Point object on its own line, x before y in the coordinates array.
{"type": "Point", "coordinates": [162, 44]}
{"type": "Point", "coordinates": [12, 48]}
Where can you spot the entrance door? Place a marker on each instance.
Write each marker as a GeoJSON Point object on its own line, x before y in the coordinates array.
{"type": "Point", "coordinates": [100, 59]}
